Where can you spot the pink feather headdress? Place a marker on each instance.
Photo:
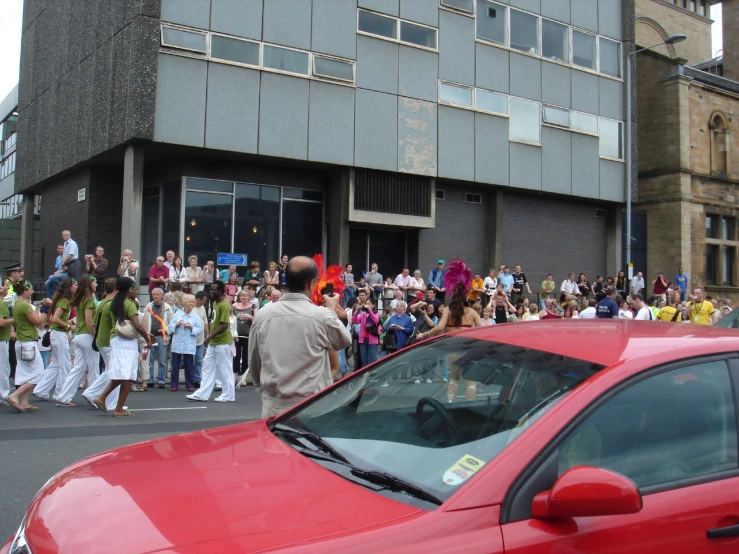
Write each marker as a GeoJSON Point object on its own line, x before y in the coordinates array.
{"type": "Point", "coordinates": [457, 273]}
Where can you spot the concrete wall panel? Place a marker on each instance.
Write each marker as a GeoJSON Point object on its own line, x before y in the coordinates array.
{"type": "Point", "coordinates": [334, 29]}
{"type": "Point", "coordinates": [456, 143]}
{"type": "Point", "coordinates": [418, 74]}
{"type": "Point", "coordinates": [232, 114]}
{"type": "Point", "coordinates": [584, 14]}
{"type": "Point", "coordinates": [525, 77]}
{"type": "Point", "coordinates": [529, 5]}
{"type": "Point", "coordinates": [612, 181]}
{"type": "Point", "coordinates": [331, 124]}
{"type": "Point", "coordinates": [585, 166]}
{"type": "Point", "coordinates": [193, 13]}
{"type": "Point", "coordinates": [556, 9]}
{"type": "Point", "coordinates": [390, 7]}
{"type": "Point", "coordinates": [525, 166]}
{"type": "Point", "coordinates": [283, 116]}
{"type": "Point", "coordinates": [377, 65]}
{"type": "Point", "coordinates": [491, 149]}
{"type": "Point", "coordinates": [242, 18]}
{"type": "Point", "coordinates": [422, 12]}
{"type": "Point", "coordinates": [556, 146]}
{"type": "Point", "coordinates": [556, 85]}
{"type": "Point", "coordinates": [417, 144]}
{"type": "Point", "coordinates": [492, 68]}
{"type": "Point", "coordinates": [288, 22]}
{"type": "Point", "coordinates": [376, 130]}
{"type": "Point", "coordinates": [456, 48]}
{"type": "Point", "coordinates": [610, 19]}
{"type": "Point", "coordinates": [611, 96]}
{"type": "Point", "coordinates": [180, 110]}
{"type": "Point", "coordinates": [584, 92]}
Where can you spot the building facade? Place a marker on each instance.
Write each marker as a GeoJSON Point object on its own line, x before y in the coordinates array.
{"type": "Point", "coordinates": [388, 131]}
{"type": "Point", "coordinates": [688, 174]}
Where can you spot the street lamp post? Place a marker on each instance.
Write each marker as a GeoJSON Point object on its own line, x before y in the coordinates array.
{"type": "Point", "coordinates": [674, 39]}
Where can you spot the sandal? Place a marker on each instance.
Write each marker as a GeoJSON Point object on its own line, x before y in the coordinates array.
{"type": "Point", "coordinates": [69, 404]}
{"type": "Point", "coordinates": [141, 388]}
{"type": "Point", "coordinates": [124, 414]}
{"type": "Point", "coordinates": [100, 405]}
{"type": "Point", "coordinates": [32, 409]}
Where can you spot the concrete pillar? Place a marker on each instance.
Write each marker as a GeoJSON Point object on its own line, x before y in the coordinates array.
{"type": "Point", "coordinates": [133, 189]}
{"type": "Point", "coordinates": [615, 235]}
{"type": "Point", "coordinates": [27, 233]}
{"type": "Point", "coordinates": [337, 211]}
{"type": "Point", "coordinates": [494, 230]}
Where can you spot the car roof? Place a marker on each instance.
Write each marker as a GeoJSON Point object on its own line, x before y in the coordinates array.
{"type": "Point", "coordinates": [608, 342]}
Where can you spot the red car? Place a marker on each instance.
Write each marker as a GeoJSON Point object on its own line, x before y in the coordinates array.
{"type": "Point", "coordinates": [567, 436]}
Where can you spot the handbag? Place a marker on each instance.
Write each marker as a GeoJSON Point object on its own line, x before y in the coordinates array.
{"type": "Point", "coordinates": [125, 330]}
{"type": "Point", "coordinates": [45, 342]}
{"type": "Point", "coordinates": [28, 353]}
{"type": "Point", "coordinates": [390, 344]}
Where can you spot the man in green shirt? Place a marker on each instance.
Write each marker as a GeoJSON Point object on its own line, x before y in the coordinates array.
{"type": "Point", "coordinates": [218, 361]}
{"type": "Point", "coordinates": [6, 324]}
{"type": "Point", "coordinates": [547, 288]}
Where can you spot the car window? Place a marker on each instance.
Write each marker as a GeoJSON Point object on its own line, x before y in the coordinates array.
{"type": "Point", "coordinates": [672, 426]}
{"type": "Point", "coordinates": [435, 414]}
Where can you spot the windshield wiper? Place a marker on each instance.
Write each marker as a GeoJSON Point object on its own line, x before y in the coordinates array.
{"type": "Point", "coordinates": [312, 438]}
{"type": "Point", "coordinates": [393, 483]}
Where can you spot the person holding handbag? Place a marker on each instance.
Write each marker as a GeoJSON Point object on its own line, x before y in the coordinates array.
{"type": "Point", "coordinates": [124, 349]}
{"type": "Point", "coordinates": [61, 363]}
{"type": "Point", "coordinates": [85, 359]}
{"type": "Point", "coordinates": [29, 368]}
{"type": "Point", "coordinates": [369, 332]}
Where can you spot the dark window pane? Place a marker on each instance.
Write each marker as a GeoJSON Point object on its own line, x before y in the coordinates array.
{"type": "Point", "coordinates": [711, 264]}
{"type": "Point", "coordinates": [212, 230]}
{"type": "Point", "coordinates": [377, 25]}
{"type": "Point", "coordinates": [415, 34]}
{"type": "Point", "coordinates": [303, 194]}
{"type": "Point", "coordinates": [334, 69]}
{"type": "Point", "coordinates": [302, 228]}
{"type": "Point", "coordinates": [463, 5]}
{"type": "Point", "coordinates": [257, 222]}
{"type": "Point", "coordinates": [555, 41]}
{"type": "Point", "coordinates": [610, 57]}
{"type": "Point", "coordinates": [524, 32]}
{"type": "Point", "coordinates": [728, 254]}
{"type": "Point", "coordinates": [491, 21]}
{"type": "Point", "coordinates": [234, 50]}
{"type": "Point", "coordinates": [177, 38]}
{"type": "Point", "coordinates": [583, 49]}
{"type": "Point", "coordinates": [149, 246]}
{"type": "Point", "coordinates": [285, 60]}
{"type": "Point", "coordinates": [712, 226]}
{"type": "Point", "coordinates": [171, 202]}
{"type": "Point", "coordinates": [209, 184]}
{"type": "Point", "coordinates": [727, 228]}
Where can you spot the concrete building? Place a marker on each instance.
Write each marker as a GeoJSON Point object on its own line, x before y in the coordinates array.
{"type": "Point", "coordinates": [388, 131]}
{"type": "Point", "coordinates": [688, 173]}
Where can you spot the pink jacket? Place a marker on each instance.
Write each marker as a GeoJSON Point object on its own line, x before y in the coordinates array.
{"type": "Point", "coordinates": [361, 318]}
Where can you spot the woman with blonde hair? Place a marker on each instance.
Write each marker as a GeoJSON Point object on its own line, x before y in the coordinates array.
{"type": "Point", "coordinates": [272, 276]}
{"type": "Point", "coordinates": [194, 275]}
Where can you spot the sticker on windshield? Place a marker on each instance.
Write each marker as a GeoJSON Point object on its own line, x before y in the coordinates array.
{"type": "Point", "coordinates": [465, 468]}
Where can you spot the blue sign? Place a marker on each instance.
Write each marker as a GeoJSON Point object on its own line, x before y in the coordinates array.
{"type": "Point", "coordinates": [229, 258]}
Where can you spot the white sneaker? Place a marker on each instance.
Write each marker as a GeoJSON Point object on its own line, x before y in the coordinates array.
{"type": "Point", "coordinates": [385, 385]}
{"type": "Point", "coordinates": [221, 399]}
{"type": "Point", "coordinates": [429, 381]}
{"type": "Point", "coordinates": [417, 381]}
{"type": "Point", "coordinates": [195, 398]}
{"type": "Point", "coordinates": [445, 379]}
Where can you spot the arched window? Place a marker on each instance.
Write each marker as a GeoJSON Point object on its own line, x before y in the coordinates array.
{"type": "Point", "coordinates": [719, 145]}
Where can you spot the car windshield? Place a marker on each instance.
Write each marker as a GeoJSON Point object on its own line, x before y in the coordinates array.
{"type": "Point", "coordinates": [730, 320]}
{"type": "Point", "coordinates": [400, 418]}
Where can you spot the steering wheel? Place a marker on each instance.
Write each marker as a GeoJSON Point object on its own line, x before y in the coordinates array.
{"type": "Point", "coordinates": [443, 413]}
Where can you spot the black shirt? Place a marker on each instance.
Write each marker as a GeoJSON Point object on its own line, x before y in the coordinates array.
{"type": "Point", "coordinates": [519, 281]}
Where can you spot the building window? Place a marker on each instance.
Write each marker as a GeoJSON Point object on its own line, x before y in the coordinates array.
{"type": "Point", "coordinates": [721, 250]}
{"type": "Point", "coordinates": [330, 68]}
{"type": "Point", "coordinates": [440, 194]}
{"type": "Point", "coordinates": [467, 6]}
{"type": "Point", "coordinates": [611, 139]}
{"type": "Point", "coordinates": [184, 40]}
{"type": "Point", "coordinates": [455, 94]}
{"type": "Point", "coordinates": [472, 198]}
{"type": "Point", "coordinates": [610, 57]}
{"type": "Point", "coordinates": [728, 254]}
{"type": "Point", "coordinates": [555, 41]}
{"type": "Point", "coordinates": [418, 35]}
{"type": "Point", "coordinates": [555, 116]}
{"type": "Point", "coordinates": [379, 25]}
{"type": "Point", "coordinates": [524, 32]}
{"type": "Point", "coordinates": [491, 22]}
{"type": "Point", "coordinates": [525, 120]}
{"type": "Point", "coordinates": [711, 264]}
{"type": "Point", "coordinates": [583, 49]}
{"type": "Point", "coordinates": [493, 102]}
{"type": "Point", "coordinates": [719, 146]}
{"type": "Point", "coordinates": [395, 29]}
{"type": "Point", "coordinates": [7, 167]}
{"type": "Point", "coordinates": [702, 8]}
{"type": "Point", "coordinates": [285, 59]}
{"type": "Point", "coordinates": [584, 123]}
{"type": "Point", "coordinates": [234, 50]}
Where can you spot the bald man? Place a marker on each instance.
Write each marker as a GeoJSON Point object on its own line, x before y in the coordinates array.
{"type": "Point", "coordinates": [289, 371]}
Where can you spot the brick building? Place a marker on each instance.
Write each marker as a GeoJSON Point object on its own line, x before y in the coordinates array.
{"type": "Point", "coordinates": [389, 131]}
{"type": "Point", "coordinates": [688, 174]}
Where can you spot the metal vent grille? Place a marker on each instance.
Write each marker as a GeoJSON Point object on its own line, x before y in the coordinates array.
{"type": "Point", "coordinates": [393, 193]}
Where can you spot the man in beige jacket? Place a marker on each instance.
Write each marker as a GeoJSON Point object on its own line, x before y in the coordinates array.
{"type": "Point", "coordinates": [290, 344]}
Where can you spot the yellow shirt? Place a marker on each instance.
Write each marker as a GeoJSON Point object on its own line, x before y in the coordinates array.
{"type": "Point", "coordinates": [700, 313]}
{"type": "Point", "coordinates": [667, 313]}
{"type": "Point", "coordinates": [476, 284]}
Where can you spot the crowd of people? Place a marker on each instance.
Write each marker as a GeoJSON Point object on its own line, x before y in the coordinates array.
{"type": "Point", "coordinates": [91, 332]}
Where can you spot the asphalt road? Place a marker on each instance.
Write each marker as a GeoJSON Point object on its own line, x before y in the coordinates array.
{"type": "Point", "coordinates": [35, 446]}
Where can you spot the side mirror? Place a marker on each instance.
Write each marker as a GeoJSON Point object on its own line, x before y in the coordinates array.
{"type": "Point", "coordinates": [586, 491]}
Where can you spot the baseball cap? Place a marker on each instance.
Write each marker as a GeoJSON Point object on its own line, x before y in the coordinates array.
{"type": "Point", "coordinates": [420, 295]}
{"type": "Point", "coordinates": [440, 261]}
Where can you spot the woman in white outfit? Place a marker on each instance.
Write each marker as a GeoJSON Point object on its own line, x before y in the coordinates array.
{"type": "Point", "coordinates": [61, 363]}
{"type": "Point", "coordinates": [194, 275]}
{"type": "Point", "coordinates": [124, 352]}
{"type": "Point", "coordinates": [29, 368]}
{"type": "Point", "coordinates": [85, 358]}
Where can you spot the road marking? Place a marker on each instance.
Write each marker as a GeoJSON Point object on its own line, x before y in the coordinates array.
{"type": "Point", "coordinates": [166, 409]}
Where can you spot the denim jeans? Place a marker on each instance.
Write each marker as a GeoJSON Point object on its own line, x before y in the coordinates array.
{"type": "Point", "coordinates": [198, 365]}
{"type": "Point", "coordinates": [159, 353]}
{"type": "Point", "coordinates": [343, 364]}
{"type": "Point", "coordinates": [53, 282]}
{"type": "Point", "coordinates": [349, 293]}
{"type": "Point", "coordinates": [368, 352]}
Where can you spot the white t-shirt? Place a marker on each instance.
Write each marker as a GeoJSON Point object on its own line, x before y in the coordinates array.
{"type": "Point", "coordinates": [588, 313]}
{"type": "Point", "coordinates": [623, 314]}
{"type": "Point", "coordinates": [645, 314]}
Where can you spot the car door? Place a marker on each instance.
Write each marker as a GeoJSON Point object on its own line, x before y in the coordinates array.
{"type": "Point", "coordinates": [673, 432]}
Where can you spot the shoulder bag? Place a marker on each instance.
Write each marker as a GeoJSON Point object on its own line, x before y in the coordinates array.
{"type": "Point", "coordinates": [390, 344]}
{"type": "Point", "coordinates": [125, 330]}
{"type": "Point", "coordinates": [45, 342]}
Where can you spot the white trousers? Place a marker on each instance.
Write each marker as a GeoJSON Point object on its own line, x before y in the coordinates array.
{"type": "Point", "coordinates": [101, 383]}
{"type": "Point", "coordinates": [59, 368]}
{"type": "Point", "coordinates": [217, 364]}
{"type": "Point", "coordinates": [4, 370]}
{"type": "Point", "coordinates": [85, 359]}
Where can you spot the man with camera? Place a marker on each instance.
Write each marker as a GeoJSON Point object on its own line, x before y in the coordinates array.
{"type": "Point", "coordinates": [660, 287]}
{"type": "Point", "coordinates": [128, 266]}
{"type": "Point", "coordinates": [97, 265]}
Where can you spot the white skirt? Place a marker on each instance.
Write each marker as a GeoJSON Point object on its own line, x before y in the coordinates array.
{"type": "Point", "coordinates": [124, 359]}
{"type": "Point", "coordinates": [28, 372]}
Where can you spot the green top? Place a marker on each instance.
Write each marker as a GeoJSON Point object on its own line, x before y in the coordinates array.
{"type": "Point", "coordinates": [4, 314]}
{"type": "Point", "coordinates": [84, 305]}
{"type": "Point", "coordinates": [102, 315]}
{"type": "Point", "coordinates": [129, 309]}
{"type": "Point", "coordinates": [25, 331]}
{"type": "Point", "coordinates": [222, 315]}
{"type": "Point", "coordinates": [62, 304]}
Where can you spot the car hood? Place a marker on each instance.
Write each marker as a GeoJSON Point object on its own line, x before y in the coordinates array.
{"type": "Point", "coordinates": [237, 485]}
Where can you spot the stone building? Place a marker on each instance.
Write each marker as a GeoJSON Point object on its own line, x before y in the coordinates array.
{"type": "Point", "coordinates": [688, 174]}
